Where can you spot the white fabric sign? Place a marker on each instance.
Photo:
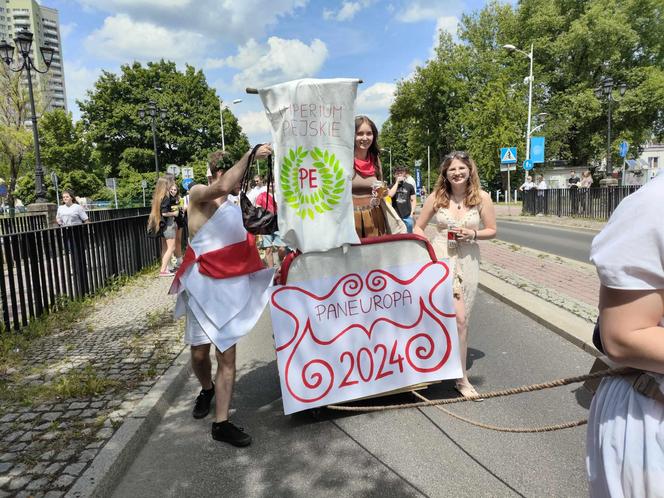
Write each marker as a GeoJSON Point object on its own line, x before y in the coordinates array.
{"type": "Point", "coordinates": [361, 334]}
{"type": "Point", "coordinates": [313, 132]}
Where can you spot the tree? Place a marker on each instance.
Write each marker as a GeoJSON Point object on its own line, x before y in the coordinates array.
{"type": "Point", "coordinates": [15, 139]}
{"type": "Point", "coordinates": [190, 130]}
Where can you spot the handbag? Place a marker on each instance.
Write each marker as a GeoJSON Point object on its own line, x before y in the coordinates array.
{"type": "Point", "coordinates": [256, 219]}
{"type": "Point", "coordinates": [393, 222]}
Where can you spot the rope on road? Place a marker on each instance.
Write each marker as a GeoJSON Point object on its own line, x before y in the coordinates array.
{"type": "Point", "coordinates": [495, 394]}
{"type": "Point", "coordinates": [543, 428]}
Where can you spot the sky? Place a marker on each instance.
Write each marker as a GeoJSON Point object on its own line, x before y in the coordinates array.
{"type": "Point", "coordinates": [256, 43]}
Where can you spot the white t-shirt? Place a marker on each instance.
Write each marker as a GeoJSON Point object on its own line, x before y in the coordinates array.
{"type": "Point", "coordinates": [629, 251]}
{"type": "Point", "coordinates": [71, 215]}
{"type": "Point", "coordinates": [255, 192]}
{"type": "Point", "coordinates": [528, 185]}
{"type": "Point", "coordinates": [542, 185]}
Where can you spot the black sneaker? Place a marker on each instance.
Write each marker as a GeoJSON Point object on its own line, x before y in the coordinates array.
{"type": "Point", "coordinates": [227, 432]}
{"type": "Point", "coordinates": [203, 400]}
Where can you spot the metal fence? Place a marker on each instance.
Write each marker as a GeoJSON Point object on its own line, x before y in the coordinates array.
{"type": "Point", "coordinates": [110, 214]}
{"type": "Point", "coordinates": [22, 223]}
{"type": "Point", "coordinates": [40, 266]}
{"type": "Point", "coordinates": [595, 203]}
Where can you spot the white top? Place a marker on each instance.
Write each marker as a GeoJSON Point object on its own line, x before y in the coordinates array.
{"type": "Point", "coordinates": [629, 251]}
{"type": "Point", "coordinates": [255, 192]}
{"type": "Point", "coordinates": [528, 185]}
{"type": "Point", "coordinates": [71, 215]}
{"type": "Point", "coordinates": [542, 185]}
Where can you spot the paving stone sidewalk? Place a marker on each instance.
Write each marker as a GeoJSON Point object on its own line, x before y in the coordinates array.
{"type": "Point", "coordinates": [117, 351]}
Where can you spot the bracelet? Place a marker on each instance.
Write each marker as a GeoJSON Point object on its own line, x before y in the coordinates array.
{"type": "Point", "coordinates": [474, 234]}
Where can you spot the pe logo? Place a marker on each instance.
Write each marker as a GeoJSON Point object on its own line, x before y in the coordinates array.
{"type": "Point", "coordinates": [311, 181]}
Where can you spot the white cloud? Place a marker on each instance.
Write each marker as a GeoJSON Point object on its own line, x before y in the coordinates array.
{"type": "Point", "coordinates": [228, 19]}
{"type": "Point", "coordinates": [445, 23]}
{"type": "Point", "coordinates": [67, 28]}
{"type": "Point", "coordinates": [123, 38]}
{"type": "Point", "coordinates": [378, 96]}
{"type": "Point", "coordinates": [78, 79]}
{"type": "Point", "coordinates": [254, 123]}
{"type": "Point", "coordinates": [347, 11]}
{"type": "Point", "coordinates": [277, 61]}
{"type": "Point", "coordinates": [418, 10]}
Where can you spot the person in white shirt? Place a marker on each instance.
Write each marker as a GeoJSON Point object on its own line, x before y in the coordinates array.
{"type": "Point", "coordinates": [625, 438]}
{"type": "Point", "coordinates": [528, 184]}
{"type": "Point", "coordinates": [257, 189]}
{"type": "Point", "coordinates": [542, 197]}
{"type": "Point", "coordinates": [70, 213]}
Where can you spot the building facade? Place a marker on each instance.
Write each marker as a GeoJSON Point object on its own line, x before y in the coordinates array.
{"type": "Point", "coordinates": [44, 24]}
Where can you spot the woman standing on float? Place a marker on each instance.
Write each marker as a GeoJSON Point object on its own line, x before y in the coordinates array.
{"type": "Point", "coordinates": [369, 218]}
{"type": "Point", "coordinates": [458, 205]}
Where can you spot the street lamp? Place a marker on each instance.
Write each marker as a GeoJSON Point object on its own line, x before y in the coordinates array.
{"type": "Point", "coordinates": [23, 43]}
{"type": "Point", "coordinates": [605, 89]}
{"type": "Point", "coordinates": [153, 112]}
{"type": "Point", "coordinates": [389, 149]}
{"type": "Point", "coordinates": [530, 91]}
{"type": "Point", "coordinates": [221, 120]}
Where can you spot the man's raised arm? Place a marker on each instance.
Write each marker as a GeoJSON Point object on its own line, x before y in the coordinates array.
{"type": "Point", "coordinates": [224, 185]}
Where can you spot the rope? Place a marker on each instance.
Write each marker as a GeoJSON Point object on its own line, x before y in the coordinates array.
{"type": "Point", "coordinates": [543, 428]}
{"type": "Point", "coordinates": [492, 394]}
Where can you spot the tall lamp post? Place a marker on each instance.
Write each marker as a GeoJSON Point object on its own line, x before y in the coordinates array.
{"type": "Point", "coordinates": [223, 106]}
{"type": "Point", "coordinates": [153, 112]}
{"type": "Point", "coordinates": [389, 150]}
{"type": "Point", "coordinates": [605, 89]}
{"type": "Point", "coordinates": [23, 43]}
{"type": "Point", "coordinates": [530, 91]}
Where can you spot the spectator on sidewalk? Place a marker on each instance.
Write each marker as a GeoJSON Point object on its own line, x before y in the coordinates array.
{"type": "Point", "coordinates": [542, 195]}
{"type": "Point", "coordinates": [573, 183]}
{"type": "Point", "coordinates": [527, 184]}
{"type": "Point", "coordinates": [70, 212]}
{"type": "Point", "coordinates": [270, 243]}
{"type": "Point", "coordinates": [222, 290]}
{"type": "Point", "coordinates": [458, 206]}
{"type": "Point", "coordinates": [625, 438]}
{"type": "Point", "coordinates": [177, 206]}
{"type": "Point", "coordinates": [584, 195]}
{"type": "Point", "coordinates": [162, 221]}
{"type": "Point", "coordinates": [403, 197]}
{"type": "Point", "coordinates": [257, 188]}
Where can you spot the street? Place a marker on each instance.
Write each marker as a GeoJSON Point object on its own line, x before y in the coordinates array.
{"type": "Point", "coordinates": [416, 452]}
{"type": "Point", "coordinates": [566, 242]}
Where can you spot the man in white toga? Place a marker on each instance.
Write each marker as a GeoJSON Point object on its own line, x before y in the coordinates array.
{"type": "Point", "coordinates": [222, 289]}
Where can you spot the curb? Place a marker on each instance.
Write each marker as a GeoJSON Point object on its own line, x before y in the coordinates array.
{"type": "Point", "coordinates": [551, 224]}
{"type": "Point", "coordinates": [560, 321]}
{"type": "Point", "coordinates": [112, 461]}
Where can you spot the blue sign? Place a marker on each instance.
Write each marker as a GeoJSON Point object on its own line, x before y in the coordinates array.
{"type": "Point", "coordinates": [528, 165]}
{"type": "Point", "coordinates": [537, 149]}
{"type": "Point", "coordinates": [508, 155]}
{"type": "Point", "coordinates": [3, 190]}
{"type": "Point", "coordinates": [624, 147]}
{"type": "Point", "coordinates": [186, 183]}
{"type": "Point", "coordinates": [418, 179]}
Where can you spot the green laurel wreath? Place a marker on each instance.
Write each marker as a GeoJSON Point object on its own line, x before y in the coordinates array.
{"type": "Point", "coordinates": [325, 196]}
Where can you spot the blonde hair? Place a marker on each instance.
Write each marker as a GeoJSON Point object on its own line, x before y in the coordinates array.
{"type": "Point", "coordinates": [443, 189]}
{"type": "Point", "coordinates": [160, 191]}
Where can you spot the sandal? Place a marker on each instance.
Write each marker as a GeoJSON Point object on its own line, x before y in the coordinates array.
{"type": "Point", "coordinates": [467, 390]}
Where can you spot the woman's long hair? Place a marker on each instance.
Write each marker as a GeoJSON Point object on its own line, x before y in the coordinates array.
{"type": "Point", "coordinates": [443, 189]}
{"type": "Point", "coordinates": [374, 150]}
{"type": "Point", "coordinates": [160, 191]}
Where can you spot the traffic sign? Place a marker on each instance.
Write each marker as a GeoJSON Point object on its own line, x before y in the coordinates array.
{"type": "Point", "coordinates": [418, 163]}
{"type": "Point", "coordinates": [111, 183]}
{"type": "Point", "coordinates": [508, 155]}
{"type": "Point", "coordinates": [187, 172]}
{"type": "Point", "coordinates": [173, 169]}
{"type": "Point", "coordinates": [3, 190]}
{"type": "Point", "coordinates": [144, 184]}
{"type": "Point", "coordinates": [418, 179]}
{"type": "Point", "coordinates": [187, 183]}
{"type": "Point", "coordinates": [623, 148]}
{"type": "Point", "coordinates": [528, 165]}
{"type": "Point", "coordinates": [507, 167]}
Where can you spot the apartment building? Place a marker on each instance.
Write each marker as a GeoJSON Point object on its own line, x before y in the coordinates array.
{"type": "Point", "coordinates": [44, 24]}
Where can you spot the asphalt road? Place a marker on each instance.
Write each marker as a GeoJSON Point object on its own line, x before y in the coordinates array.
{"type": "Point", "coordinates": [566, 242]}
{"type": "Point", "coordinates": [417, 452]}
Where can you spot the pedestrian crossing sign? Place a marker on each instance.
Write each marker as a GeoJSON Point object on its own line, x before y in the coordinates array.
{"type": "Point", "coordinates": [508, 155]}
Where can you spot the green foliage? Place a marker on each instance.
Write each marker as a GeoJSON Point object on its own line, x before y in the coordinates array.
{"type": "Point", "coordinates": [472, 94]}
{"type": "Point", "coordinates": [190, 130]}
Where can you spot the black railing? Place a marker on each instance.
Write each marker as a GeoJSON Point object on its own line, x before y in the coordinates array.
{"type": "Point", "coordinates": [594, 203]}
{"type": "Point", "coordinates": [40, 266]}
{"type": "Point", "coordinates": [111, 214]}
{"type": "Point", "coordinates": [22, 223]}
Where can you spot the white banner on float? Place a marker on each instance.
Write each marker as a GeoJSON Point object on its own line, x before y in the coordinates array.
{"type": "Point", "coordinates": [362, 334]}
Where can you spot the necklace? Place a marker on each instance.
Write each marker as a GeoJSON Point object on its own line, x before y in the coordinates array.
{"type": "Point", "coordinates": [458, 204]}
